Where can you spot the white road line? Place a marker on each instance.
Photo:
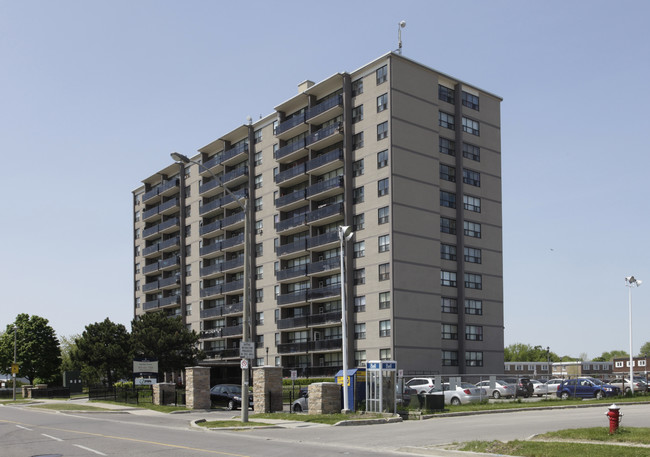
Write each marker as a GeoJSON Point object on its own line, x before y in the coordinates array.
{"type": "Point", "coordinates": [52, 437]}
{"type": "Point", "coordinates": [24, 428]}
{"type": "Point", "coordinates": [88, 449]}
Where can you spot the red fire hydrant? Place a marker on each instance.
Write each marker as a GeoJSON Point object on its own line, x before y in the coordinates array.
{"type": "Point", "coordinates": [614, 415]}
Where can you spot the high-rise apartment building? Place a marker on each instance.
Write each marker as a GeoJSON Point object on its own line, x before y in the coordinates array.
{"type": "Point", "coordinates": [409, 157]}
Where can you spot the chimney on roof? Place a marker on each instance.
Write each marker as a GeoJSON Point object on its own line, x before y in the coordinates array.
{"type": "Point", "coordinates": [303, 86]}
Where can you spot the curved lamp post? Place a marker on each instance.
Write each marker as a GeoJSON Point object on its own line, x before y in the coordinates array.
{"type": "Point", "coordinates": [244, 206]}
{"type": "Point", "coordinates": [630, 282]}
{"type": "Point", "coordinates": [345, 233]}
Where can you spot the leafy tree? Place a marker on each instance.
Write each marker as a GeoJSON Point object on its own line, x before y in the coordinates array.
{"type": "Point", "coordinates": [166, 339]}
{"type": "Point", "coordinates": [645, 349]}
{"type": "Point", "coordinates": [609, 356]}
{"type": "Point", "coordinates": [104, 352]}
{"type": "Point", "coordinates": [37, 348]}
{"type": "Point", "coordinates": [68, 346]}
{"type": "Point", "coordinates": [520, 352]}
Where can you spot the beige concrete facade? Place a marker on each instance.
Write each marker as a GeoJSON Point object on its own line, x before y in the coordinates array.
{"type": "Point", "coordinates": [371, 149]}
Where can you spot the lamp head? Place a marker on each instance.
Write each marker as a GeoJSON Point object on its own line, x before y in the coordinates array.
{"type": "Point", "coordinates": [632, 281]}
{"type": "Point", "coordinates": [345, 232]}
{"type": "Point", "coordinates": [180, 157]}
{"type": "Point", "coordinates": [402, 24]}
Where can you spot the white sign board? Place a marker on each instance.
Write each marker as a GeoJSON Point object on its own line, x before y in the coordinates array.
{"type": "Point", "coordinates": [145, 366]}
{"type": "Point", "coordinates": [243, 364]}
{"type": "Point", "coordinates": [294, 375]}
{"type": "Point", "coordinates": [247, 350]}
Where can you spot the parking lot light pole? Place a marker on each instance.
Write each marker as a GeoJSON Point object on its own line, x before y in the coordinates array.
{"type": "Point", "coordinates": [630, 282]}
{"type": "Point", "coordinates": [13, 371]}
{"type": "Point", "coordinates": [245, 334]}
{"type": "Point", "coordinates": [345, 233]}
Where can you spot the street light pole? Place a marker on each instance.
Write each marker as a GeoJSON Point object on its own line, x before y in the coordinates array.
{"type": "Point", "coordinates": [245, 334]}
{"type": "Point", "coordinates": [344, 235]}
{"type": "Point", "coordinates": [630, 282]}
{"type": "Point", "coordinates": [13, 371]}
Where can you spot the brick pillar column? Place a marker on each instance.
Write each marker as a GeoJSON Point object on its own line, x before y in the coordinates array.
{"type": "Point", "coordinates": [324, 398]}
{"type": "Point", "coordinates": [267, 389]}
{"type": "Point", "coordinates": [197, 388]}
{"type": "Point", "coordinates": [162, 390]}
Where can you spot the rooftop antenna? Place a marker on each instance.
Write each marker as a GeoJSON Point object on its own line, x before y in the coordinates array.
{"type": "Point", "coordinates": [400, 26]}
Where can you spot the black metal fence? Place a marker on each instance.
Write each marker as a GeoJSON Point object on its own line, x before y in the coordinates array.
{"type": "Point", "coordinates": [176, 398]}
{"type": "Point", "coordinates": [133, 395]}
{"type": "Point", "coordinates": [51, 392]}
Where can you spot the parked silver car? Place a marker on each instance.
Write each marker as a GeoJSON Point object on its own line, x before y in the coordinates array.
{"type": "Point", "coordinates": [463, 394]}
{"type": "Point", "coordinates": [624, 384]}
{"type": "Point", "coordinates": [421, 385]}
{"type": "Point", "coordinates": [501, 388]}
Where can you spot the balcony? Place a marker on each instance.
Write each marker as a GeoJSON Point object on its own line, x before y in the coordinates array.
{"type": "Point", "coordinates": [326, 345]}
{"type": "Point", "coordinates": [222, 353]}
{"type": "Point", "coordinates": [293, 297]}
{"type": "Point", "coordinates": [325, 318]}
{"type": "Point", "coordinates": [235, 177]}
{"type": "Point", "coordinates": [232, 286]}
{"type": "Point", "coordinates": [169, 283]}
{"type": "Point", "coordinates": [148, 287]}
{"type": "Point", "coordinates": [326, 214]}
{"type": "Point", "coordinates": [223, 310]}
{"type": "Point", "coordinates": [292, 322]}
{"type": "Point", "coordinates": [163, 189]}
{"type": "Point", "coordinates": [212, 162]}
{"type": "Point", "coordinates": [211, 291]}
{"type": "Point", "coordinates": [323, 293]}
{"type": "Point", "coordinates": [211, 250]}
{"type": "Point", "coordinates": [162, 246]}
{"type": "Point", "coordinates": [325, 162]}
{"type": "Point", "coordinates": [211, 270]}
{"type": "Point", "coordinates": [169, 206]}
{"type": "Point", "coordinates": [232, 243]}
{"type": "Point", "coordinates": [292, 151]}
{"type": "Point", "coordinates": [234, 200]}
{"type": "Point", "coordinates": [235, 155]}
{"type": "Point", "coordinates": [171, 300]}
{"type": "Point", "coordinates": [166, 226]}
{"type": "Point", "coordinates": [291, 127]}
{"type": "Point", "coordinates": [326, 109]}
{"type": "Point", "coordinates": [153, 304]}
{"type": "Point", "coordinates": [169, 263]}
{"type": "Point", "coordinates": [313, 372]}
{"type": "Point", "coordinates": [291, 201]}
{"type": "Point", "coordinates": [232, 331]}
{"type": "Point", "coordinates": [211, 333]}
{"type": "Point", "coordinates": [325, 188]}
{"type": "Point", "coordinates": [211, 228]}
{"type": "Point", "coordinates": [326, 240]}
{"type": "Point", "coordinates": [232, 264]}
{"type": "Point", "coordinates": [325, 137]}
{"type": "Point", "coordinates": [290, 348]}
{"type": "Point", "coordinates": [292, 249]}
{"type": "Point", "coordinates": [210, 207]}
{"type": "Point", "coordinates": [294, 272]}
{"type": "Point", "coordinates": [294, 224]}
{"type": "Point", "coordinates": [234, 221]}
{"type": "Point", "coordinates": [291, 175]}
{"type": "Point", "coordinates": [210, 188]}
{"type": "Point", "coordinates": [324, 266]}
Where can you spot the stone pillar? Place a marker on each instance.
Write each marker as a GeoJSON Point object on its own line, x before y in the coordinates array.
{"type": "Point", "coordinates": [197, 388]}
{"type": "Point", "coordinates": [267, 389]}
{"type": "Point", "coordinates": [324, 398]}
{"type": "Point", "coordinates": [26, 390]}
{"type": "Point", "coordinates": [163, 390]}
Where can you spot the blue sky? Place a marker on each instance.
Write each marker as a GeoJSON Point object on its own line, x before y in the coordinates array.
{"type": "Point", "coordinates": [95, 95]}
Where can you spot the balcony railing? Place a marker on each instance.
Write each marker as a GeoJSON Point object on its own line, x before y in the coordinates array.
{"type": "Point", "coordinates": [292, 322]}
{"type": "Point", "coordinates": [209, 228]}
{"type": "Point", "coordinates": [325, 345]}
{"type": "Point", "coordinates": [324, 133]}
{"type": "Point", "coordinates": [210, 248]}
{"type": "Point", "coordinates": [324, 318]}
{"type": "Point", "coordinates": [327, 211]}
{"type": "Point", "coordinates": [290, 248]}
{"type": "Point", "coordinates": [290, 173]}
{"type": "Point", "coordinates": [289, 348]}
{"type": "Point", "coordinates": [324, 159]}
{"type": "Point", "coordinates": [233, 285]}
{"type": "Point", "coordinates": [171, 242]}
{"type": "Point", "coordinates": [233, 263]}
{"type": "Point", "coordinates": [233, 219]}
{"type": "Point", "coordinates": [213, 161]}
{"type": "Point", "coordinates": [293, 197]}
{"type": "Point", "coordinates": [287, 273]}
{"type": "Point", "coordinates": [232, 241]}
{"type": "Point", "coordinates": [324, 186]}
{"type": "Point", "coordinates": [323, 265]}
{"type": "Point", "coordinates": [222, 353]}
{"type": "Point", "coordinates": [313, 372]}
{"type": "Point", "coordinates": [211, 269]}
{"type": "Point", "coordinates": [160, 188]}
{"type": "Point", "coordinates": [295, 221]}
{"type": "Point", "coordinates": [326, 238]}
{"type": "Point", "coordinates": [293, 297]}
{"type": "Point", "coordinates": [290, 148]}
{"type": "Point", "coordinates": [166, 282]}
{"type": "Point", "coordinates": [171, 300]}
{"type": "Point", "coordinates": [233, 330]}
{"type": "Point", "coordinates": [324, 106]}
{"type": "Point", "coordinates": [237, 173]}
{"type": "Point", "coordinates": [234, 152]}
{"type": "Point", "coordinates": [324, 292]}
{"type": "Point", "coordinates": [210, 291]}
{"type": "Point", "coordinates": [290, 123]}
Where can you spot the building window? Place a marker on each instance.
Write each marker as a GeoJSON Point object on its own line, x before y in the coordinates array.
{"type": "Point", "coordinates": [188, 270]}
{"type": "Point", "coordinates": [382, 103]}
{"type": "Point", "coordinates": [447, 252]}
{"type": "Point", "coordinates": [384, 271]}
{"type": "Point", "coordinates": [445, 94]}
{"type": "Point", "coordinates": [474, 333]}
{"type": "Point", "coordinates": [384, 328]}
{"type": "Point", "coordinates": [357, 195]}
{"type": "Point", "coordinates": [446, 146]}
{"type": "Point", "coordinates": [359, 276]}
{"type": "Point", "coordinates": [382, 131]}
{"type": "Point", "coordinates": [473, 359]}
{"type": "Point", "coordinates": [471, 152]}
{"type": "Point", "coordinates": [359, 249]}
{"type": "Point", "coordinates": [448, 225]}
{"type": "Point", "coordinates": [257, 136]}
{"type": "Point", "coordinates": [446, 120]}
{"type": "Point", "coordinates": [449, 331]}
{"type": "Point", "coordinates": [472, 229]}
{"type": "Point", "coordinates": [384, 354]}
{"type": "Point", "coordinates": [382, 158]}
{"type": "Point", "coordinates": [447, 173]}
{"type": "Point", "coordinates": [384, 243]}
{"type": "Point", "coordinates": [360, 304]}
{"type": "Point", "coordinates": [358, 222]}
{"type": "Point", "coordinates": [259, 295]}
{"type": "Point", "coordinates": [258, 181]}
{"type": "Point", "coordinates": [448, 278]}
{"type": "Point", "coordinates": [447, 199]}
{"type": "Point", "coordinates": [472, 255]}
{"type": "Point", "coordinates": [382, 74]}
{"type": "Point", "coordinates": [259, 250]}
{"type": "Point", "coordinates": [472, 203]}
{"type": "Point", "coordinates": [474, 307]}
{"type": "Point", "coordinates": [449, 358]}
{"type": "Point", "coordinates": [357, 168]}
{"type": "Point", "coordinates": [258, 204]}
{"type": "Point", "coordinates": [360, 331]}
{"type": "Point", "coordinates": [383, 215]}
{"type": "Point", "coordinates": [449, 305]}
{"type": "Point", "coordinates": [360, 358]}
{"type": "Point", "coordinates": [137, 233]}
{"type": "Point", "coordinates": [384, 300]}
{"type": "Point", "coordinates": [259, 226]}
{"type": "Point", "coordinates": [473, 281]}
{"type": "Point", "coordinates": [473, 178]}
{"type": "Point", "coordinates": [470, 101]}
{"type": "Point", "coordinates": [471, 126]}
{"type": "Point", "coordinates": [137, 268]}
{"type": "Point", "coordinates": [259, 272]}
{"type": "Point", "coordinates": [188, 210]}
{"type": "Point", "coordinates": [357, 114]}
{"type": "Point", "coordinates": [258, 158]}
{"type": "Point", "coordinates": [382, 187]}
{"type": "Point", "coordinates": [357, 141]}
{"type": "Point", "coordinates": [137, 302]}
{"type": "Point", "coordinates": [357, 87]}
{"type": "Point", "coordinates": [259, 318]}
{"type": "Point", "coordinates": [137, 216]}
{"type": "Point", "coordinates": [137, 285]}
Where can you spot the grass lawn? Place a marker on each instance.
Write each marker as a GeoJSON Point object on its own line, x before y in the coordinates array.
{"type": "Point", "coordinates": [151, 406]}
{"type": "Point", "coordinates": [318, 418]}
{"type": "Point", "coordinates": [230, 423]}
{"type": "Point", "coordinates": [69, 407]}
{"type": "Point", "coordinates": [598, 435]}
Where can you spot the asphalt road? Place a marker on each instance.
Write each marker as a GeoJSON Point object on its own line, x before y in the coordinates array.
{"type": "Point", "coordinates": [29, 432]}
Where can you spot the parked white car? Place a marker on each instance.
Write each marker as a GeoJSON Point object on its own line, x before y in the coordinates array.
{"type": "Point", "coordinates": [501, 388]}
{"type": "Point", "coordinates": [421, 385]}
{"type": "Point", "coordinates": [463, 394]}
{"type": "Point", "coordinates": [550, 386]}
{"type": "Point", "coordinates": [624, 384]}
